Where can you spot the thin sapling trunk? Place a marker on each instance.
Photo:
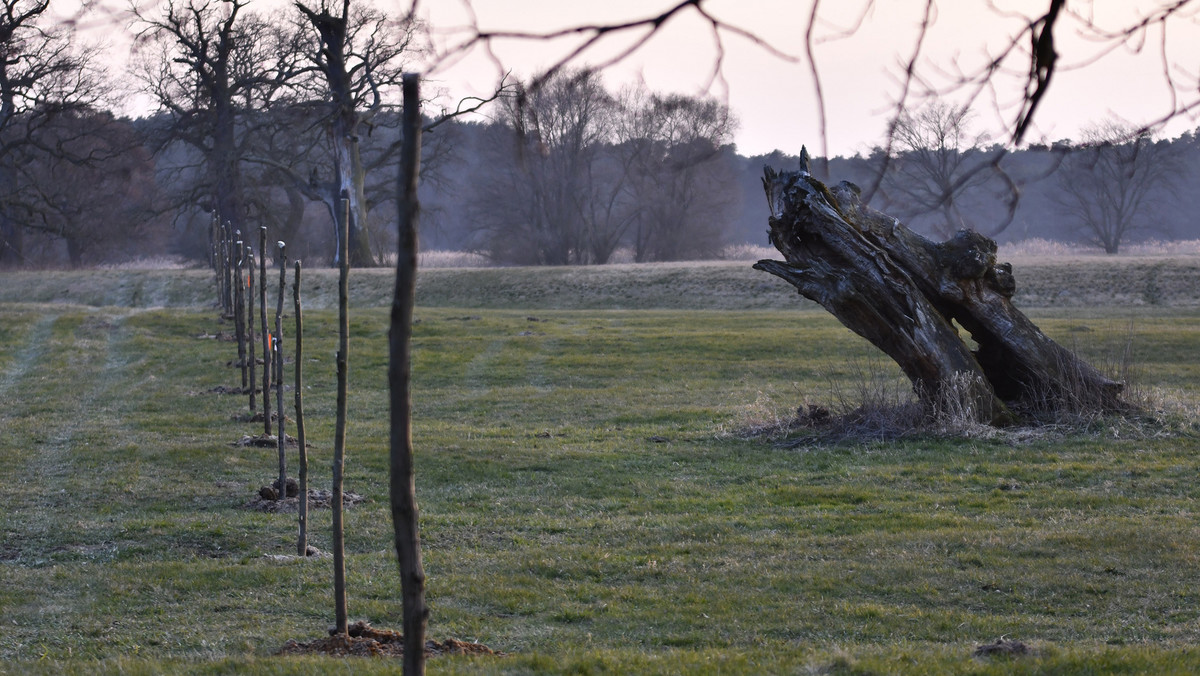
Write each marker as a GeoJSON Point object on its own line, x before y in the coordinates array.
{"type": "Point", "coordinates": [266, 331]}
{"type": "Point", "coordinates": [251, 357]}
{"type": "Point", "coordinates": [339, 437]}
{"type": "Point", "coordinates": [239, 311]}
{"type": "Point", "coordinates": [278, 369]}
{"type": "Point", "coordinates": [302, 456]}
{"type": "Point", "coordinates": [405, 515]}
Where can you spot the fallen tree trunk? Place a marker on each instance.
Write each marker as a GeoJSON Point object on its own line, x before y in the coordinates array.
{"type": "Point", "coordinates": [909, 296]}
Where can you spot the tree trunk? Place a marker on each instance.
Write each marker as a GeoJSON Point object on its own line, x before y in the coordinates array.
{"type": "Point", "coordinates": [352, 178]}
{"type": "Point", "coordinates": [74, 252]}
{"type": "Point", "coordinates": [405, 521]}
{"type": "Point", "coordinates": [906, 294]}
{"type": "Point", "coordinates": [343, 130]}
{"type": "Point", "coordinates": [339, 444]}
{"type": "Point", "coordinates": [12, 241]}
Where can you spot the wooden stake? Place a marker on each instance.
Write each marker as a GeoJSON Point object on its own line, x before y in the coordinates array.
{"type": "Point", "coordinates": [266, 332]}
{"type": "Point", "coordinates": [278, 370]}
{"type": "Point", "coordinates": [227, 265]}
{"type": "Point", "coordinates": [239, 309]}
{"type": "Point", "coordinates": [221, 279]}
{"type": "Point", "coordinates": [405, 521]}
{"type": "Point", "coordinates": [339, 437]}
{"type": "Point", "coordinates": [214, 253]}
{"type": "Point", "coordinates": [302, 457]}
{"type": "Point", "coordinates": [250, 326]}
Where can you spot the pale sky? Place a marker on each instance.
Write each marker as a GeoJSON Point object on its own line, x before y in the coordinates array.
{"type": "Point", "coordinates": [860, 74]}
{"type": "Point", "coordinates": [774, 99]}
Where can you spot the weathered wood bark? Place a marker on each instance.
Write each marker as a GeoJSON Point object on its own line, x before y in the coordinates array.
{"type": "Point", "coordinates": [906, 294]}
{"type": "Point", "coordinates": [402, 484]}
{"type": "Point", "coordinates": [335, 32]}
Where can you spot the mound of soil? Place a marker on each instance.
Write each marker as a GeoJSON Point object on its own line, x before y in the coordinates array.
{"type": "Point", "coordinates": [317, 499]}
{"type": "Point", "coordinates": [256, 417]}
{"type": "Point", "coordinates": [271, 492]}
{"type": "Point", "coordinates": [265, 440]}
{"type": "Point", "coordinates": [366, 641]}
{"type": "Point", "coordinates": [221, 389]}
{"type": "Point", "coordinates": [1002, 646]}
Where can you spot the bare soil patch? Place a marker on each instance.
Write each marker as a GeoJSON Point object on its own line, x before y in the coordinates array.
{"type": "Point", "coordinates": [1004, 647]}
{"type": "Point", "coordinates": [317, 499]}
{"type": "Point", "coordinates": [222, 389]}
{"type": "Point", "coordinates": [366, 641]}
{"type": "Point", "coordinates": [265, 440]}
{"type": "Point", "coordinates": [257, 416]}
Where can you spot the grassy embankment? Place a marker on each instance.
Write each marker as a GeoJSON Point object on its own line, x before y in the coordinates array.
{"type": "Point", "coordinates": [586, 505]}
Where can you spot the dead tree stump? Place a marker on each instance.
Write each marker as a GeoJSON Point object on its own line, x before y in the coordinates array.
{"type": "Point", "coordinates": [909, 297]}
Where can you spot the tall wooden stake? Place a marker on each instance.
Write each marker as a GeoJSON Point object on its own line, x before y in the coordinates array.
{"type": "Point", "coordinates": [339, 437]}
{"type": "Point", "coordinates": [402, 488]}
{"type": "Point", "coordinates": [277, 357]}
{"type": "Point", "coordinates": [222, 279]}
{"type": "Point", "coordinates": [266, 332]}
{"type": "Point", "coordinates": [302, 457]}
{"type": "Point", "coordinates": [251, 357]}
{"type": "Point", "coordinates": [214, 245]}
{"type": "Point", "coordinates": [230, 256]}
{"type": "Point", "coordinates": [213, 248]}
{"type": "Point", "coordinates": [239, 309]}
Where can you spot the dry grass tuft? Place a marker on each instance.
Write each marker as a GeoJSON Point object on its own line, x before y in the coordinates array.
{"type": "Point", "coordinates": [747, 252]}
{"type": "Point", "coordinates": [1037, 248]}
{"type": "Point", "coordinates": [872, 404]}
{"type": "Point", "coordinates": [152, 263]}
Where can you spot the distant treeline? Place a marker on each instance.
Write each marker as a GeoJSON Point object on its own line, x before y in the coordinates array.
{"type": "Point", "coordinates": [289, 121]}
{"type": "Point", "coordinates": [141, 201]}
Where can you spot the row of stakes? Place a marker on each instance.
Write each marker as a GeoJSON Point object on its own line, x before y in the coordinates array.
{"type": "Point", "coordinates": [234, 264]}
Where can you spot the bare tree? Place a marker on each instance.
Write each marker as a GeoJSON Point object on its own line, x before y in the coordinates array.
{"type": "Point", "coordinates": [86, 181]}
{"type": "Point", "coordinates": [1109, 184]}
{"type": "Point", "coordinates": [677, 174]}
{"type": "Point", "coordinates": [538, 208]}
{"type": "Point", "coordinates": [358, 57]}
{"type": "Point", "coordinates": [937, 163]}
{"type": "Point", "coordinates": [209, 65]}
{"type": "Point", "coordinates": [42, 75]}
{"type": "Point", "coordinates": [577, 172]}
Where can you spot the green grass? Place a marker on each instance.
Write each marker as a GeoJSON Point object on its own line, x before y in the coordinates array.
{"type": "Point", "coordinates": [586, 504]}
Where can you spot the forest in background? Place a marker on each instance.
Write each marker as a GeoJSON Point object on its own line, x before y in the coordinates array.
{"type": "Point", "coordinates": [142, 202]}
{"type": "Point", "coordinates": [131, 207]}
{"type": "Point", "coordinates": [270, 121]}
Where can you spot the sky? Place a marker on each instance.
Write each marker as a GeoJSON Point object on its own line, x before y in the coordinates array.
{"type": "Point", "coordinates": [775, 99]}
{"type": "Point", "coordinates": [771, 88]}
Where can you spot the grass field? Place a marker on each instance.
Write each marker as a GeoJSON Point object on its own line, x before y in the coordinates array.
{"type": "Point", "coordinates": [588, 502]}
